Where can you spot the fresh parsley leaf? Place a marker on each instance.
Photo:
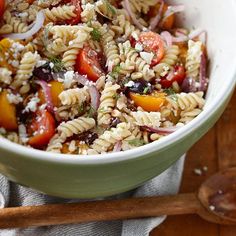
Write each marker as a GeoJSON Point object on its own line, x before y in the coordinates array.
{"type": "Point", "coordinates": [146, 89]}
{"type": "Point", "coordinates": [116, 96]}
{"type": "Point", "coordinates": [115, 72]}
{"type": "Point", "coordinates": [110, 8]}
{"type": "Point", "coordinates": [91, 112]}
{"type": "Point", "coordinates": [136, 142]}
{"type": "Point", "coordinates": [58, 65]}
{"type": "Point", "coordinates": [96, 34]}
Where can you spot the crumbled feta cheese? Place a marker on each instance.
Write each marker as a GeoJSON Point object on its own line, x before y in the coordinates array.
{"type": "Point", "coordinates": [69, 77]}
{"type": "Point", "coordinates": [23, 14]}
{"type": "Point", "coordinates": [205, 168]}
{"type": "Point", "coordinates": [5, 75]}
{"type": "Point", "coordinates": [14, 98]}
{"type": "Point", "coordinates": [72, 146]}
{"type": "Point", "coordinates": [130, 84]}
{"type": "Point", "coordinates": [212, 208]}
{"type": "Point", "coordinates": [198, 171]}
{"type": "Point", "coordinates": [43, 107]}
{"type": "Point", "coordinates": [15, 63]}
{"type": "Point", "coordinates": [2, 130]}
{"type": "Point", "coordinates": [51, 65]}
{"type": "Point", "coordinates": [139, 47]}
{"type": "Point", "coordinates": [147, 56]}
{"type": "Point", "coordinates": [23, 133]}
{"type": "Point", "coordinates": [32, 104]}
{"type": "Point", "coordinates": [40, 63]}
{"type": "Point", "coordinates": [194, 50]}
{"type": "Point", "coordinates": [135, 35]}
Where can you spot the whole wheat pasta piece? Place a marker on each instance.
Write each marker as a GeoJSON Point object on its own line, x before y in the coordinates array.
{"type": "Point", "coordinates": [60, 13]}
{"type": "Point", "coordinates": [55, 144]}
{"type": "Point", "coordinates": [16, 25]}
{"type": "Point", "coordinates": [123, 28]}
{"type": "Point", "coordinates": [76, 126]}
{"type": "Point", "coordinates": [107, 103]}
{"type": "Point", "coordinates": [189, 101]}
{"type": "Point", "coordinates": [69, 57]}
{"type": "Point", "coordinates": [169, 60]}
{"type": "Point", "coordinates": [109, 138]}
{"type": "Point", "coordinates": [193, 59]}
{"type": "Point", "coordinates": [25, 70]}
{"type": "Point", "coordinates": [105, 8]}
{"type": "Point", "coordinates": [187, 116]}
{"type": "Point", "coordinates": [74, 96]}
{"type": "Point", "coordinates": [142, 6]}
{"type": "Point", "coordinates": [109, 45]}
{"type": "Point", "coordinates": [151, 119]}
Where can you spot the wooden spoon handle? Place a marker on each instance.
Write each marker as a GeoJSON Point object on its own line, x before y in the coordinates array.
{"type": "Point", "coordinates": [55, 214]}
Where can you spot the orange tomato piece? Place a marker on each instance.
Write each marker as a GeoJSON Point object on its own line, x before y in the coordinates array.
{"type": "Point", "coordinates": [56, 88]}
{"type": "Point", "coordinates": [149, 103]}
{"type": "Point", "coordinates": [44, 125]}
{"type": "Point", "coordinates": [8, 119]}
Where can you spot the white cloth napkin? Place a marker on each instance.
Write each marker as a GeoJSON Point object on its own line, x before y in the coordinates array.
{"type": "Point", "coordinates": [167, 183]}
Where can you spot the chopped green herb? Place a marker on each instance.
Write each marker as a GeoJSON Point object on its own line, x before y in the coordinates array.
{"type": "Point", "coordinates": [96, 34]}
{"type": "Point", "coordinates": [146, 89]}
{"type": "Point", "coordinates": [81, 109]}
{"type": "Point", "coordinates": [102, 109]}
{"type": "Point", "coordinates": [136, 142]}
{"type": "Point", "coordinates": [46, 36]}
{"type": "Point", "coordinates": [110, 8]}
{"type": "Point", "coordinates": [115, 72]}
{"type": "Point", "coordinates": [91, 112]}
{"type": "Point", "coordinates": [58, 65]}
{"type": "Point", "coordinates": [116, 96]}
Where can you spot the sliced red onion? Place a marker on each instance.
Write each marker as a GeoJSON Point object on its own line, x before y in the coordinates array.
{"type": "Point", "coordinates": [155, 20]}
{"type": "Point", "coordinates": [117, 146]}
{"type": "Point", "coordinates": [167, 38]}
{"type": "Point", "coordinates": [35, 28]}
{"type": "Point", "coordinates": [95, 97]}
{"type": "Point", "coordinates": [127, 7]}
{"type": "Point", "coordinates": [188, 85]}
{"type": "Point", "coordinates": [160, 130]}
{"type": "Point", "coordinates": [172, 10]}
{"type": "Point", "coordinates": [195, 33]}
{"type": "Point", "coordinates": [180, 39]}
{"type": "Point", "coordinates": [47, 94]}
{"type": "Point", "coordinates": [202, 78]}
{"type": "Point", "coordinates": [82, 79]}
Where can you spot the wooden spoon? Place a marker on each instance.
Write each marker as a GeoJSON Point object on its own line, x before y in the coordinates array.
{"type": "Point", "coordinates": [214, 202]}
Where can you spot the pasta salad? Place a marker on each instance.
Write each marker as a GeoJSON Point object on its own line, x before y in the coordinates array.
{"type": "Point", "coordinates": [92, 77]}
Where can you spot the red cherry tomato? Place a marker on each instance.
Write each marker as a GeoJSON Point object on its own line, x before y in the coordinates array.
{"type": "Point", "coordinates": [152, 42]}
{"type": "Point", "coordinates": [42, 129]}
{"type": "Point", "coordinates": [87, 63]}
{"type": "Point", "coordinates": [77, 11]}
{"type": "Point", "coordinates": [178, 76]}
{"type": "Point", "coordinates": [2, 7]}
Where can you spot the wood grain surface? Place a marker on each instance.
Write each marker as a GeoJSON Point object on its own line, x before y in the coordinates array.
{"type": "Point", "coordinates": [215, 151]}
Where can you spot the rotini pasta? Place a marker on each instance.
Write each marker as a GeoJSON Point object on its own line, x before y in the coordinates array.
{"type": "Point", "coordinates": [96, 78]}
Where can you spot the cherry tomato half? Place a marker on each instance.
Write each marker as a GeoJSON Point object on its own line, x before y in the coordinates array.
{"type": "Point", "coordinates": [152, 42]}
{"type": "Point", "coordinates": [44, 127]}
{"type": "Point", "coordinates": [87, 63]}
{"type": "Point", "coordinates": [178, 76]}
{"type": "Point", "coordinates": [77, 11]}
{"type": "Point", "coordinates": [2, 7]}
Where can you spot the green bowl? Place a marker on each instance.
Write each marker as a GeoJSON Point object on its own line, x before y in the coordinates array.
{"type": "Point", "coordinates": [73, 176]}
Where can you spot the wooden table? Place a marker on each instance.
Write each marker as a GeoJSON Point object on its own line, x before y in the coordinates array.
{"type": "Point", "coordinates": [217, 149]}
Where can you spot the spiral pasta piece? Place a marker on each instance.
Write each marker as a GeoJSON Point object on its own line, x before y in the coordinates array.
{"type": "Point", "coordinates": [123, 28]}
{"type": "Point", "coordinates": [76, 126]}
{"type": "Point", "coordinates": [193, 59]}
{"type": "Point", "coordinates": [106, 9]}
{"type": "Point", "coordinates": [74, 96]}
{"type": "Point", "coordinates": [189, 101]}
{"type": "Point", "coordinates": [59, 13]}
{"type": "Point", "coordinates": [187, 116]}
{"type": "Point", "coordinates": [151, 119]}
{"type": "Point", "coordinates": [108, 139]}
{"type": "Point", "coordinates": [16, 25]}
{"type": "Point", "coordinates": [110, 48]}
{"type": "Point", "coordinates": [169, 60]}
{"type": "Point", "coordinates": [25, 70]}
{"type": "Point", "coordinates": [142, 6]}
{"type": "Point", "coordinates": [55, 144]}
{"type": "Point", "coordinates": [69, 57]}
